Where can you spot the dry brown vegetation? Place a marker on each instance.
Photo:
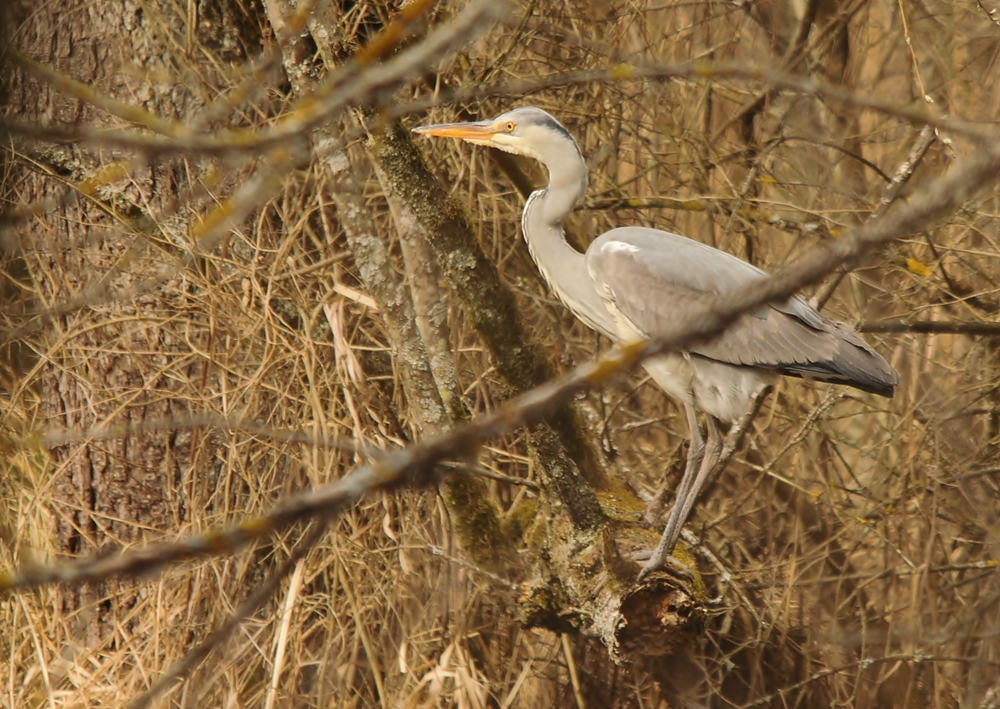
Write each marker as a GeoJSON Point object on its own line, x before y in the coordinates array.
{"type": "Point", "coordinates": [850, 545]}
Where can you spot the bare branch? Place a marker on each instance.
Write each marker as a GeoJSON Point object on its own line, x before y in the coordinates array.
{"type": "Point", "coordinates": [417, 465]}
{"type": "Point", "coordinates": [893, 190]}
{"type": "Point", "coordinates": [933, 327]}
{"type": "Point", "coordinates": [917, 114]}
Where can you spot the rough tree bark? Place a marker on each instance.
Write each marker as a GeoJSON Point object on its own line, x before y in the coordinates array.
{"type": "Point", "coordinates": [124, 368]}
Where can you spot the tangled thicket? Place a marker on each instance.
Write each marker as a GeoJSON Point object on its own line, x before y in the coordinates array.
{"type": "Point", "coordinates": [853, 537]}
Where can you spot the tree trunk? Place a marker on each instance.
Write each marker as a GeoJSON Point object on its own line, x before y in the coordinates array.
{"type": "Point", "coordinates": [114, 360]}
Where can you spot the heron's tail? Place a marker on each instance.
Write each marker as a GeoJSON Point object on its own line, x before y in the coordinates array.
{"type": "Point", "coordinates": [854, 364]}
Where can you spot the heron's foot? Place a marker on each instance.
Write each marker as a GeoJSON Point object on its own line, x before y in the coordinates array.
{"type": "Point", "coordinates": [666, 563]}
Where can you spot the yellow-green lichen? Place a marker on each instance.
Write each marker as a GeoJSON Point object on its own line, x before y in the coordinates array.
{"type": "Point", "coordinates": [520, 519]}
{"type": "Point", "coordinates": [477, 524]}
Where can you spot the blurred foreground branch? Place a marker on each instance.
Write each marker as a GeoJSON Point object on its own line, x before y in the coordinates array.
{"type": "Point", "coordinates": [417, 465]}
{"type": "Point", "coordinates": [382, 78]}
{"type": "Point", "coordinates": [358, 82]}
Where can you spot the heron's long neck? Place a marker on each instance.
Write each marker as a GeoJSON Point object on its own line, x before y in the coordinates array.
{"type": "Point", "coordinates": [563, 267]}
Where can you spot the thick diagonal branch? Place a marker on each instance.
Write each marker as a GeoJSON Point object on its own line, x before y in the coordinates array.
{"type": "Point", "coordinates": [417, 465]}
{"type": "Point", "coordinates": [476, 517]}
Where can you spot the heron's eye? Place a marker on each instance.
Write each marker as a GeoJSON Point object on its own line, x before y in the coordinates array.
{"type": "Point", "coordinates": [509, 127]}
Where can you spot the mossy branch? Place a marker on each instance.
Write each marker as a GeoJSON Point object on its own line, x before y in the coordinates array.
{"type": "Point", "coordinates": [477, 518]}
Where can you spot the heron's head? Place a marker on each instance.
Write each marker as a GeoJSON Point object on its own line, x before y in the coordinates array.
{"type": "Point", "coordinates": [525, 131]}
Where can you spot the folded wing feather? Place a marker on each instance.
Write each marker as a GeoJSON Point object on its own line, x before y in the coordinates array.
{"type": "Point", "coordinates": [652, 278]}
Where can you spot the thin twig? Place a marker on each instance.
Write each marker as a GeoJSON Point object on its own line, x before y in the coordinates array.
{"type": "Point", "coordinates": [863, 663]}
{"type": "Point", "coordinates": [736, 433]}
{"type": "Point", "coordinates": [988, 329]}
{"type": "Point", "coordinates": [714, 206]}
{"type": "Point", "coordinates": [482, 472]}
{"type": "Point", "coordinates": [891, 193]}
{"type": "Point", "coordinates": [496, 580]}
{"type": "Point", "coordinates": [278, 664]}
{"type": "Point", "coordinates": [102, 431]}
{"type": "Point", "coordinates": [573, 676]}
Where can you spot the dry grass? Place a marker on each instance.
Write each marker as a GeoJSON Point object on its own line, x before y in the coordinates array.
{"type": "Point", "coordinates": [858, 534]}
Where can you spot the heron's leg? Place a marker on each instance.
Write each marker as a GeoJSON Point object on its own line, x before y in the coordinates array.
{"type": "Point", "coordinates": [713, 449]}
{"type": "Point", "coordinates": [696, 449]}
{"type": "Point", "coordinates": [696, 453]}
{"type": "Point", "coordinates": [686, 496]}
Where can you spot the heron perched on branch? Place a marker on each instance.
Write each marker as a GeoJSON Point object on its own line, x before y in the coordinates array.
{"type": "Point", "coordinates": [633, 281]}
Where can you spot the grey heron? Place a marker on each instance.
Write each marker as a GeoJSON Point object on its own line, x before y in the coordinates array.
{"type": "Point", "coordinates": [632, 281]}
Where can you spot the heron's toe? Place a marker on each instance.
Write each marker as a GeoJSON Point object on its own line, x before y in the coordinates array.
{"type": "Point", "coordinates": [667, 564]}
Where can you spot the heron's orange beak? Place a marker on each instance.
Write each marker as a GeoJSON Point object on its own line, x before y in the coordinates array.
{"type": "Point", "coordinates": [481, 132]}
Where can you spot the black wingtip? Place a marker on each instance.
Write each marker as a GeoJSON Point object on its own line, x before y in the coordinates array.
{"type": "Point", "coordinates": [868, 371]}
{"type": "Point", "coordinates": [885, 389]}
{"type": "Point", "coordinates": [856, 366]}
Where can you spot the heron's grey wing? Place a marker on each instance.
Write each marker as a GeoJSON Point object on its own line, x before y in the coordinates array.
{"type": "Point", "coordinates": [650, 278]}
